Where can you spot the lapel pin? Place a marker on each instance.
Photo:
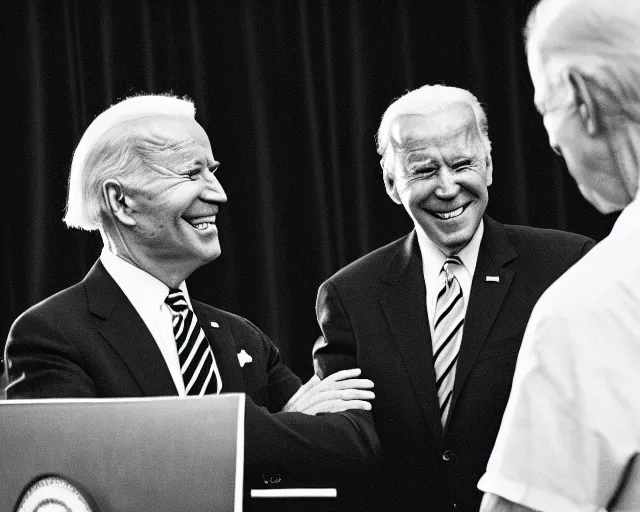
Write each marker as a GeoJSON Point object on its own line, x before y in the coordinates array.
{"type": "Point", "coordinates": [244, 358]}
{"type": "Point", "coordinates": [493, 279]}
{"type": "Point", "coordinates": [215, 324]}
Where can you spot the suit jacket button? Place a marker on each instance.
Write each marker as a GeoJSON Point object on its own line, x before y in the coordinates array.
{"type": "Point", "coordinates": [447, 455]}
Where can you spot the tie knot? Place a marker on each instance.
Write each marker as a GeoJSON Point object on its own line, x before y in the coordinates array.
{"type": "Point", "coordinates": [451, 260]}
{"type": "Point", "coordinates": [176, 300]}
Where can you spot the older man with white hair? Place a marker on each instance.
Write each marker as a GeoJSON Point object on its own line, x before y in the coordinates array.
{"type": "Point", "coordinates": [436, 318]}
{"type": "Point", "coordinates": [570, 437]}
{"type": "Point", "coordinates": [143, 175]}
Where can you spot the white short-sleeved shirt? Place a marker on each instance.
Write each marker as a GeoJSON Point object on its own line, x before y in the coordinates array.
{"type": "Point", "coordinates": [571, 428]}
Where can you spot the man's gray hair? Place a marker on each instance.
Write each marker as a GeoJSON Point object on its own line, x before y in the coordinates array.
{"type": "Point", "coordinates": [113, 147]}
{"type": "Point", "coordinates": [428, 99]}
{"type": "Point", "coordinates": [600, 39]}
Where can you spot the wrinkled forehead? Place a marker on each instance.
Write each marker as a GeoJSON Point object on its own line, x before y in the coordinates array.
{"type": "Point", "coordinates": [545, 84]}
{"type": "Point", "coordinates": [453, 123]}
{"type": "Point", "coordinates": [182, 136]}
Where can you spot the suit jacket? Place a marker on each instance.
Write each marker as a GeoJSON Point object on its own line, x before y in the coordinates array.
{"type": "Point", "coordinates": [373, 316]}
{"type": "Point", "coordinates": [89, 341]}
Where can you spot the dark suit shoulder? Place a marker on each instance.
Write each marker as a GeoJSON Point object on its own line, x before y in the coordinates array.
{"type": "Point", "coordinates": [61, 306]}
{"type": "Point", "coordinates": [544, 235]}
{"type": "Point", "coordinates": [548, 243]}
{"type": "Point", "coordinates": [371, 263]}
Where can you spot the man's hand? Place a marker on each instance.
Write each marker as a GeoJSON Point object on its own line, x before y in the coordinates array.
{"type": "Point", "coordinates": [341, 391]}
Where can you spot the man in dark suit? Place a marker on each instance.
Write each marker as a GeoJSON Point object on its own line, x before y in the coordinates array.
{"type": "Point", "coordinates": [143, 174]}
{"type": "Point", "coordinates": [436, 318]}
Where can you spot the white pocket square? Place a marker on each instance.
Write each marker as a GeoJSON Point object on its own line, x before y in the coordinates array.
{"type": "Point", "coordinates": [244, 358]}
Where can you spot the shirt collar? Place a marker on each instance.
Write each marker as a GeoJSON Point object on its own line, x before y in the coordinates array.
{"type": "Point", "coordinates": [144, 291]}
{"type": "Point", "coordinates": [433, 258]}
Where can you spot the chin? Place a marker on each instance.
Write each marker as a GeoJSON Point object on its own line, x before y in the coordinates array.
{"type": "Point", "coordinates": [456, 243]}
{"type": "Point", "coordinates": [208, 254]}
{"type": "Point", "coordinates": [212, 255]}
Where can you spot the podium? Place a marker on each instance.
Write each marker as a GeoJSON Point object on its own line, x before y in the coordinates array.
{"type": "Point", "coordinates": [111, 455]}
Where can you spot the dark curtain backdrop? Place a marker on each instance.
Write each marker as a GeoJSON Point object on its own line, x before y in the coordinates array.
{"type": "Point", "coordinates": [290, 93]}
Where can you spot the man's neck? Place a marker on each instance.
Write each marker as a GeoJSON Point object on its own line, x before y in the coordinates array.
{"type": "Point", "coordinates": [171, 275]}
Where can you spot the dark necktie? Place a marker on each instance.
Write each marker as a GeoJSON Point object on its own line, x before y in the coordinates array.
{"type": "Point", "coordinates": [197, 363]}
{"type": "Point", "coordinates": [447, 333]}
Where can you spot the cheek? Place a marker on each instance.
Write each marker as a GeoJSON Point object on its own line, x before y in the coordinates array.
{"type": "Point", "coordinates": [414, 192]}
{"type": "Point", "coordinates": [178, 199]}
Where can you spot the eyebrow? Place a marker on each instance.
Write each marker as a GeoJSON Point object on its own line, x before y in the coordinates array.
{"type": "Point", "coordinates": [201, 162]}
{"type": "Point", "coordinates": [419, 156]}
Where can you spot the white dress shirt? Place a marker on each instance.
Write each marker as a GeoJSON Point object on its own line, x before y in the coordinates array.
{"type": "Point", "coordinates": [432, 261]}
{"type": "Point", "coordinates": [147, 295]}
{"type": "Point", "coordinates": [572, 425]}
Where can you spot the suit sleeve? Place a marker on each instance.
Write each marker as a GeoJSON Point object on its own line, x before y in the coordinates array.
{"type": "Point", "coordinates": [294, 449]}
{"type": "Point", "coordinates": [288, 449]}
{"type": "Point", "coordinates": [41, 363]}
{"type": "Point", "coordinates": [337, 349]}
{"type": "Point", "coordinates": [291, 449]}
{"type": "Point", "coordinates": [586, 247]}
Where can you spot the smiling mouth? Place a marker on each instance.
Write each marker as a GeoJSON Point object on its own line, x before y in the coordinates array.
{"type": "Point", "coordinates": [450, 214]}
{"type": "Point", "coordinates": [202, 223]}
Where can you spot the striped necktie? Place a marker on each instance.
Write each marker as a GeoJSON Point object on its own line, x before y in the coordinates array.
{"type": "Point", "coordinates": [449, 319]}
{"type": "Point", "coordinates": [197, 364]}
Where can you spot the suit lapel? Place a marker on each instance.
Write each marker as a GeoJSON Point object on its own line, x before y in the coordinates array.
{"type": "Point", "coordinates": [486, 298]}
{"type": "Point", "coordinates": [224, 348]}
{"type": "Point", "coordinates": [126, 332]}
{"type": "Point", "coordinates": [405, 309]}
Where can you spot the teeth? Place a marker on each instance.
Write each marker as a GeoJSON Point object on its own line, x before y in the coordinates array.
{"type": "Point", "coordinates": [451, 214]}
{"type": "Point", "coordinates": [204, 225]}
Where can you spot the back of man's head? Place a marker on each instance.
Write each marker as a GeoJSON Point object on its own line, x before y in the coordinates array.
{"type": "Point", "coordinates": [426, 100]}
{"type": "Point", "coordinates": [600, 39]}
{"type": "Point", "coordinates": [115, 146]}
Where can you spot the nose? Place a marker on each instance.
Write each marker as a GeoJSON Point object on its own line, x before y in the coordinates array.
{"type": "Point", "coordinates": [556, 149]}
{"type": "Point", "coordinates": [551, 133]}
{"type": "Point", "coordinates": [213, 191]}
{"type": "Point", "coordinates": [447, 187]}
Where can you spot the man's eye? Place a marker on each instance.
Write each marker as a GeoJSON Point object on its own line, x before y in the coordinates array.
{"type": "Point", "coordinates": [422, 170]}
{"type": "Point", "coordinates": [461, 166]}
{"type": "Point", "coordinates": [193, 172]}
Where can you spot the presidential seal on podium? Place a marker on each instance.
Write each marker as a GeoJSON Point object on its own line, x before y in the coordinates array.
{"type": "Point", "coordinates": [54, 494]}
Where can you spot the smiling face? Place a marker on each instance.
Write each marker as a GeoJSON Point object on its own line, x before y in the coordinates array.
{"type": "Point", "coordinates": [440, 174]}
{"type": "Point", "coordinates": [173, 206]}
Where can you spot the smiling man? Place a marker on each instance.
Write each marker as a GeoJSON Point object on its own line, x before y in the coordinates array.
{"type": "Point", "coordinates": [436, 318]}
{"type": "Point", "coordinates": [143, 174]}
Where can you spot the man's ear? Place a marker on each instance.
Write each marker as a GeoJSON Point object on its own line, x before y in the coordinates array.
{"type": "Point", "coordinates": [585, 102]}
{"type": "Point", "coordinates": [488, 177]}
{"type": "Point", "coordinates": [116, 201]}
{"type": "Point", "coordinates": [390, 184]}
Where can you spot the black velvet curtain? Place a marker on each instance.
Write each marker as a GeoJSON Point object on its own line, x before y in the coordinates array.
{"type": "Point", "coordinates": [290, 93]}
